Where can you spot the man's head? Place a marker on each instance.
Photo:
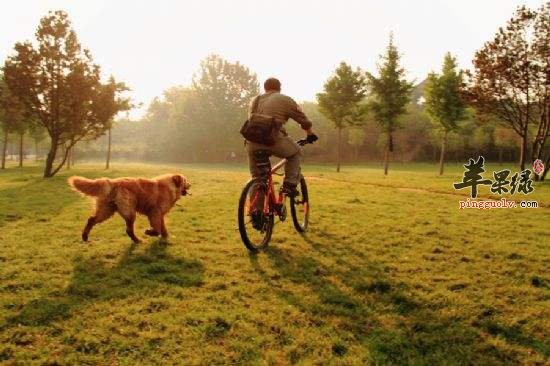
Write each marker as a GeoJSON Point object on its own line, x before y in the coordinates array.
{"type": "Point", "coordinates": [272, 85]}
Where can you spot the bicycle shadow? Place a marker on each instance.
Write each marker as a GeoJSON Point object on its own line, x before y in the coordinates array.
{"type": "Point", "coordinates": [362, 297]}
{"type": "Point", "coordinates": [94, 280]}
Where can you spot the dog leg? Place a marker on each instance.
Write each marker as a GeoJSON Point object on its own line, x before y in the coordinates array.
{"type": "Point", "coordinates": [128, 213]}
{"type": "Point", "coordinates": [130, 229]}
{"type": "Point", "coordinates": [89, 225]}
{"type": "Point", "coordinates": [155, 220]}
{"type": "Point", "coordinates": [163, 231]}
{"type": "Point", "coordinates": [103, 211]}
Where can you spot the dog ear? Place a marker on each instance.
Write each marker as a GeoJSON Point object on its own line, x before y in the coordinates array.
{"type": "Point", "coordinates": [178, 180]}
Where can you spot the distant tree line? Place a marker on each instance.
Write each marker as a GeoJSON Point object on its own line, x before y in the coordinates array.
{"type": "Point", "coordinates": [499, 109]}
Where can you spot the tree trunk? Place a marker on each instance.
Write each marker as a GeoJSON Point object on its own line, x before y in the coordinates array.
{"type": "Point", "coordinates": [50, 159]}
{"type": "Point", "coordinates": [21, 150]}
{"type": "Point", "coordinates": [387, 154]}
{"type": "Point", "coordinates": [69, 152]}
{"type": "Point", "coordinates": [109, 151]}
{"type": "Point", "coordinates": [546, 167]}
{"type": "Point", "coordinates": [500, 153]}
{"type": "Point", "coordinates": [63, 161]}
{"type": "Point", "coordinates": [523, 151]}
{"type": "Point", "coordinates": [443, 148]}
{"type": "Point", "coordinates": [540, 138]}
{"type": "Point", "coordinates": [339, 153]}
{"type": "Point", "coordinates": [5, 149]}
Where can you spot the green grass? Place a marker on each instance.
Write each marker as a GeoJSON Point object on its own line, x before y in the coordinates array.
{"type": "Point", "coordinates": [390, 272]}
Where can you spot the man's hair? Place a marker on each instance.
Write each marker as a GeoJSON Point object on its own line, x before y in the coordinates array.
{"type": "Point", "coordinates": [272, 84]}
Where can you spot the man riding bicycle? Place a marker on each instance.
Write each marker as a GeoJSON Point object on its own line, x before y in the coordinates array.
{"type": "Point", "coordinates": [281, 108]}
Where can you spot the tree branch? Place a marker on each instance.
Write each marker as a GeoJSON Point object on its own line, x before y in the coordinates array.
{"type": "Point", "coordinates": [65, 155]}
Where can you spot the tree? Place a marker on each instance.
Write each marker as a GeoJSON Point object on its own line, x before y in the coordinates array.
{"type": "Point", "coordinates": [340, 101]}
{"type": "Point", "coordinates": [110, 140]}
{"type": "Point", "coordinates": [201, 122]}
{"type": "Point", "coordinates": [505, 139]}
{"type": "Point", "coordinates": [444, 104]}
{"type": "Point", "coordinates": [356, 138]}
{"type": "Point", "coordinates": [222, 93]}
{"type": "Point", "coordinates": [59, 83]}
{"type": "Point", "coordinates": [390, 95]}
{"type": "Point", "coordinates": [482, 138]}
{"type": "Point", "coordinates": [120, 104]}
{"type": "Point", "coordinates": [12, 118]}
{"type": "Point", "coordinates": [37, 133]}
{"type": "Point", "coordinates": [511, 77]}
{"type": "Point", "coordinates": [21, 129]}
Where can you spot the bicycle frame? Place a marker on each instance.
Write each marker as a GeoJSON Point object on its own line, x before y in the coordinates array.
{"type": "Point", "coordinates": [272, 200]}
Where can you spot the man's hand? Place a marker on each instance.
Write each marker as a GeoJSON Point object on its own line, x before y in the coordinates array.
{"type": "Point", "coordinates": [310, 132]}
{"type": "Point", "coordinates": [311, 137]}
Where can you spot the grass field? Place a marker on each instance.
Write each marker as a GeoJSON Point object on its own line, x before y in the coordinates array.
{"type": "Point", "coordinates": [390, 272]}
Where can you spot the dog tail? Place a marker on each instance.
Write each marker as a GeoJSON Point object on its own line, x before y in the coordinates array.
{"type": "Point", "coordinates": [89, 187]}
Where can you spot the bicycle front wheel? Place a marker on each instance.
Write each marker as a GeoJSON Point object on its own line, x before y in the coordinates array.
{"type": "Point", "coordinates": [255, 227]}
{"type": "Point", "coordinates": [299, 208]}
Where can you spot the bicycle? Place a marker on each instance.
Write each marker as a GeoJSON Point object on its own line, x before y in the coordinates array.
{"type": "Point", "coordinates": [260, 192]}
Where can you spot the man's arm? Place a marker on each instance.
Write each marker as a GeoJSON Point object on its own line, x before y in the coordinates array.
{"type": "Point", "coordinates": [299, 116]}
{"type": "Point", "coordinates": [251, 105]}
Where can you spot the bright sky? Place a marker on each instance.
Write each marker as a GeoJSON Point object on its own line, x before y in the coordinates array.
{"type": "Point", "coordinates": [152, 45]}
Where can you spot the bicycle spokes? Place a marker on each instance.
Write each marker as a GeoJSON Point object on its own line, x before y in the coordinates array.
{"type": "Point", "coordinates": [251, 202]}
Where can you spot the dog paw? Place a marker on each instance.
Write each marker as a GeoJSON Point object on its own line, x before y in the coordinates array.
{"type": "Point", "coordinates": [151, 232]}
{"type": "Point", "coordinates": [84, 237]}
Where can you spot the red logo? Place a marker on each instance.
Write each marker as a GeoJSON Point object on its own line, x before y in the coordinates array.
{"type": "Point", "coordinates": [538, 167]}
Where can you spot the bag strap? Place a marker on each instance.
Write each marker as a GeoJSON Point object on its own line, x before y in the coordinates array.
{"type": "Point", "coordinates": [255, 104]}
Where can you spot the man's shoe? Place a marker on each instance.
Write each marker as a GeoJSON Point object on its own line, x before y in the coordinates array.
{"type": "Point", "coordinates": [290, 190]}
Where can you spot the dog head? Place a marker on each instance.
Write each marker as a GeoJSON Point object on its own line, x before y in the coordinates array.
{"type": "Point", "coordinates": [181, 183]}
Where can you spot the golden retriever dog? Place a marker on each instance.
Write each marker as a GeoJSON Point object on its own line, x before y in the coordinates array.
{"type": "Point", "coordinates": [128, 196]}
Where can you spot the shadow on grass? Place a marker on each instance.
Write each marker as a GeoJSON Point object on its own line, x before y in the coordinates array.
{"type": "Point", "coordinates": [93, 280]}
{"type": "Point", "coordinates": [386, 317]}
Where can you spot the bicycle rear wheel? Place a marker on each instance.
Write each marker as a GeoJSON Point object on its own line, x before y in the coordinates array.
{"type": "Point", "coordinates": [299, 208]}
{"type": "Point", "coordinates": [252, 196]}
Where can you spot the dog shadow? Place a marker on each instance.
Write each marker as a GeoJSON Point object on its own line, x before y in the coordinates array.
{"type": "Point", "coordinates": [95, 280]}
